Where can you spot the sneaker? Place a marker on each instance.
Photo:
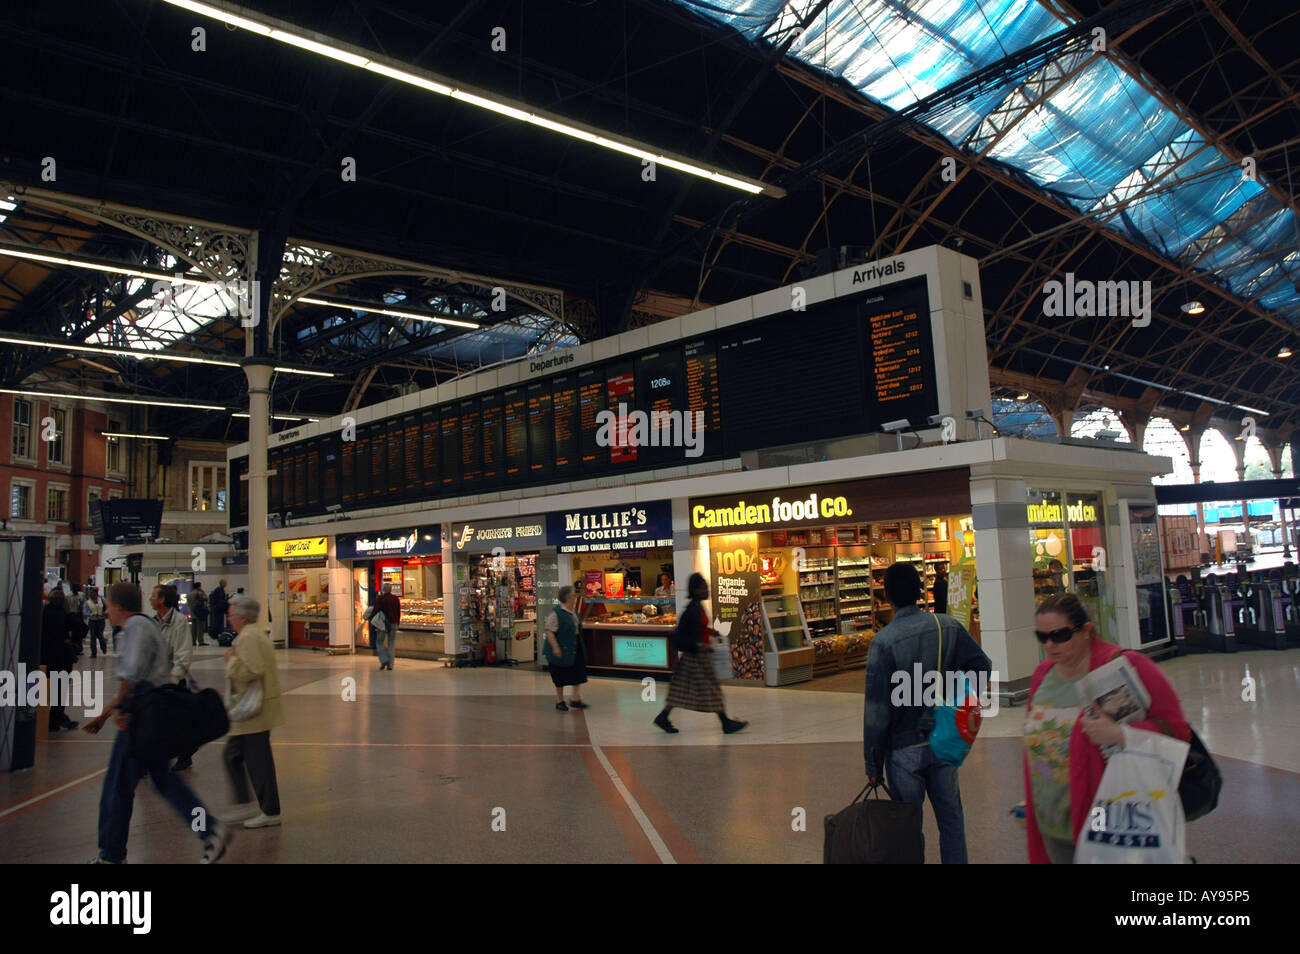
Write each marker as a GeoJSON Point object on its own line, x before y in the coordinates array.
{"type": "Point", "coordinates": [661, 720]}
{"type": "Point", "coordinates": [214, 847]}
{"type": "Point", "coordinates": [561, 707]}
{"type": "Point", "coordinates": [241, 813]}
{"type": "Point", "coordinates": [262, 820]}
{"type": "Point", "coordinates": [578, 704]}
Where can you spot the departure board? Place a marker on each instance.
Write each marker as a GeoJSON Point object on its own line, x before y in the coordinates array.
{"type": "Point", "coordinates": [394, 436]}
{"type": "Point", "coordinates": [494, 440]}
{"type": "Point", "coordinates": [330, 455]}
{"type": "Point", "coordinates": [239, 492]}
{"type": "Point", "coordinates": [471, 443]}
{"type": "Point", "coordinates": [564, 412]}
{"type": "Point", "coordinates": [661, 396]}
{"type": "Point", "coordinates": [348, 472]}
{"type": "Point", "coordinates": [516, 429]}
{"type": "Point", "coordinates": [430, 444]}
{"type": "Point", "coordinates": [703, 398]}
{"type": "Point", "coordinates": [541, 433]}
{"type": "Point", "coordinates": [591, 401]}
{"type": "Point", "coordinates": [620, 391]}
{"type": "Point", "coordinates": [840, 368]}
{"type": "Point", "coordinates": [275, 483]}
{"type": "Point", "coordinates": [451, 462]}
{"type": "Point", "coordinates": [313, 476]}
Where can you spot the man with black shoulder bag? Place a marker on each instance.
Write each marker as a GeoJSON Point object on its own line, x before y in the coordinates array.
{"type": "Point", "coordinates": [143, 668]}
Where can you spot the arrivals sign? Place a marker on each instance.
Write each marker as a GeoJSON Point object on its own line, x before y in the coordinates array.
{"type": "Point", "coordinates": [404, 541]}
{"type": "Point", "coordinates": [597, 529]}
{"type": "Point", "coordinates": [305, 547]}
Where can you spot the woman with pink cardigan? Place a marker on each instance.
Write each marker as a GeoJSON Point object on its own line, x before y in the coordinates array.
{"type": "Point", "coordinates": [1063, 759]}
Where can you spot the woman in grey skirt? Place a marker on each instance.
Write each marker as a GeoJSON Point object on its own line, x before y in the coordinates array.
{"type": "Point", "coordinates": [694, 684]}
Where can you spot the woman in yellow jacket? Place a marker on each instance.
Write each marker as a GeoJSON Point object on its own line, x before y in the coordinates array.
{"type": "Point", "coordinates": [248, 749]}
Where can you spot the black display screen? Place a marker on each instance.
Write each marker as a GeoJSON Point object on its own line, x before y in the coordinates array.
{"type": "Point", "coordinates": [430, 444]}
{"type": "Point", "coordinates": [620, 392]}
{"type": "Point", "coordinates": [661, 435]}
{"type": "Point", "coordinates": [541, 434]}
{"type": "Point", "coordinates": [840, 368]}
{"type": "Point", "coordinates": [394, 435]}
{"type": "Point", "coordinates": [451, 462]}
{"type": "Point", "coordinates": [564, 414]}
{"type": "Point", "coordinates": [591, 402]}
{"type": "Point", "coordinates": [516, 431]}
{"type": "Point", "coordinates": [471, 443]}
{"type": "Point", "coordinates": [494, 440]}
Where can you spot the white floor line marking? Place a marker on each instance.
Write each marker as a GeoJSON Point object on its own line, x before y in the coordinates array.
{"type": "Point", "coordinates": [53, 791]}
{"type": "Point", "coordinates": [660, 847]}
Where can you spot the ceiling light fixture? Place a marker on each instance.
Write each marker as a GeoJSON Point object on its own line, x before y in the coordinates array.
{"type": "Point", "coordinates": [151, 402]}
{"type": "Point", "coordinates": [146, 355]}
{"type": "Point", "coordinates": [1022, 396]}
{"type": "Point", "coordinates": [363, 59]}
{"type": "Point", "coordinates": [139, 437]}
{"type": "Point", "coordinates": [1284, 352]}
{"type": "Point", "coordinates": [347, 306]}
{"type": "Point", "coordinates": [1192, 307]}
{"type": "Point", "coordinates": [1185, 427]}
{"type": "Point", "coordinates": [93, 266]}
{"type": "Point", "coordinates": [282, 417]}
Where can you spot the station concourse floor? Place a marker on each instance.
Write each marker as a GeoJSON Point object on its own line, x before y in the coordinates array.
{"type": "Point", "coordinates": [415, 768]}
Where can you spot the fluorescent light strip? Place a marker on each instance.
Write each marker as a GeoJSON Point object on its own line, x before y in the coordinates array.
{"type": "Point", "coordinates": [389, 311]}
{"type": "Point", "coordinates": [93, 266]}
{"type": "Point", "coordinates": [139, 437]}
{"type": "Point", "coordinates": [151, 402]}
{"type": "Point", "coordinates": [144, 355]}
{"type": "Point", "coordinates": [282, 417]}
{"type": "Point", "coordinates": [518, 112]}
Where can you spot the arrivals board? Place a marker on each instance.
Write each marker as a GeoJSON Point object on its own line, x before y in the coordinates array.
{"type": "Point", "coordinates": [836, 369]}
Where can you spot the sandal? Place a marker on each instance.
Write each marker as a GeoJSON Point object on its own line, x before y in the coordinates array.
{"type": "Point", "coordinates": [561, 707]}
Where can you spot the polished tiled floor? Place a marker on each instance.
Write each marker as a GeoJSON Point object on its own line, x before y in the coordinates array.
{"type": "Point", "coordinates": [429, 763]}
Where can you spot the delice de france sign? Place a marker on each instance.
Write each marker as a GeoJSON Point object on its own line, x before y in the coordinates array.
{"type": "Point", "coordinates": [404, 541]}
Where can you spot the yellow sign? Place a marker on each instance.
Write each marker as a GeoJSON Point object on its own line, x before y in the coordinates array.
{"type": "Point", "coordinates": [1051, 513]}
{"type": "Point", "coordinates": [310, 546]}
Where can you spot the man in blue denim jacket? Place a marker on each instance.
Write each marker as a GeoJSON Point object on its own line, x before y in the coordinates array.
{"type": "Point", "coordinates": [895, 729]}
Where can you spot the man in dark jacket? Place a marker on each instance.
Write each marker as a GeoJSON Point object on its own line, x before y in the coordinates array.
{"type": "Point", "coordinates": [57, 653]}
{"type": "Point", "coordinates": [899, 713]}
{"type": "Point", "coordinates": [199, 614]}
{"type": "Point", "coordinates": [389, 605]}
{"type": "Point", "coordinates": [219, 602]}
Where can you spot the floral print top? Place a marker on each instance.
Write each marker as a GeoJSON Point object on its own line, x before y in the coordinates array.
{"type": "Point", "coordinates": [1048, 726]}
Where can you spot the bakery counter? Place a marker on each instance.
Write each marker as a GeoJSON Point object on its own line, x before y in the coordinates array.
{"type": "Point", "coordinates": [632, 648]}
{"type": "Point", "coordinates": [420, 641]}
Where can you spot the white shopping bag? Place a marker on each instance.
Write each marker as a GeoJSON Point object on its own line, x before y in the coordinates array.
{"type": "Point", "coordinates": [721, 658]}
{"type": "Point", "coordinates": [1136, 816]}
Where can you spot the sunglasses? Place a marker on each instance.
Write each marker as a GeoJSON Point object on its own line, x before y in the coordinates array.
{"type": "Point", "coordinates": [1062, 635]}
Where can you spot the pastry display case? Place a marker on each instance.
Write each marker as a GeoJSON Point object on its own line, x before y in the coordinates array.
{"type": "Point", "coordinates": [422, 615]}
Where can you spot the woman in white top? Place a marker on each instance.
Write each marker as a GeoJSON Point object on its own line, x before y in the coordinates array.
{"type": "Point", "coordinates": [666, 586]}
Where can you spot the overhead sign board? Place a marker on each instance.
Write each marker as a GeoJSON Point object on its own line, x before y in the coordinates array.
{"type": "Point", "coordinates": [635, 527]}
{"type": "Point", "coordinates": [404, 541]}
{"type": "Point", "coordinates": [517, 533]}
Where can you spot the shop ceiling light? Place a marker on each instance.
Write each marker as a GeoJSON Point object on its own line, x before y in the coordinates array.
{"type": "Point", "coordinates": [347, 306]}
{"type": "Point", "coordinates": [1192, 307]}
{"type": "Point", "coordinates": [145, 355]}
{"type": "Point", "coordinates": [413, 76]}
{"type": "Point", "coordinates": [147, 402]}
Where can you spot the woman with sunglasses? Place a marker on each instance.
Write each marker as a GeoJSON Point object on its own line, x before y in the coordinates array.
{"type": "Point", "coordinates": [1063, 756]}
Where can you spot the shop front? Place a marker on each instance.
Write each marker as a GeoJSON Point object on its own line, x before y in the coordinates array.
{"type": "Point", "coordinates": [619, 559]}
{"type": "Point", "coordinates": [502, 571]}
{"type": "Point", "coordinates": [797, 573]}
{"type": "Point", "coordinates": [301, 591]}
{"type": "Point", "coordinates": [409, 559]}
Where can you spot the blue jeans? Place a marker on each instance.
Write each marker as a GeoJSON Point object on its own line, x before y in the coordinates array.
{"type": "Point", "coordinates": [378, 637]}
{"type": "Point", "coordinates": [118, 798]}
{"type": "Point", "coordinates": [914, 771]}
{"type": "Point", "coordinates": [97, 637]}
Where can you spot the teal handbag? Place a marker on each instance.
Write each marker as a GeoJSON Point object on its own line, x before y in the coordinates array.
{"type": "Point", "coordinates": [957, 719]}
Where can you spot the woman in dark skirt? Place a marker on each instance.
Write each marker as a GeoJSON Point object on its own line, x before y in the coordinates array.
{"type": "Point", "coordinates": [694, 684]}
{"type": "Point", "coordinates": [565, 651]}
